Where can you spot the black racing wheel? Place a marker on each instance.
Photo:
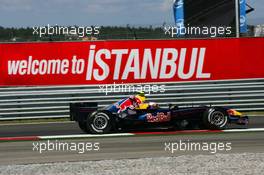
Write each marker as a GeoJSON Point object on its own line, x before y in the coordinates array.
{"type": "Point", "coordinates": [215, 119]}
{"type": "Point", "coordinates": [100, 123]}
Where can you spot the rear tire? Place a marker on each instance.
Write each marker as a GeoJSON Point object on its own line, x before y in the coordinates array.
{"type": "Point", "coordinates": [215, 119]}
{"type": "Point", "coordinates": [83, 127]}
{"type": "Point", "coordinates": [100, 123]}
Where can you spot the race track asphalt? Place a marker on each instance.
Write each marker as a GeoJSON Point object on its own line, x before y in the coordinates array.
{"type": "Point", "coordinates": [129, 147]}
{"type": "Point", "coordinates": [69, 128]}
{"type": "Point", "coordinates": [119, 147]}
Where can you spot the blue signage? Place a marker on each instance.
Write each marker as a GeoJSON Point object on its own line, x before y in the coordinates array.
{"type": "Point", "coordinates": [178, 10]}
{"type": "Point", "coordinates": [243, 17]}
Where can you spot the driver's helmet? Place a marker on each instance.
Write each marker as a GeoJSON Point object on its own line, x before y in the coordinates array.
{"type": "Point", "coordinates": [141, 96]}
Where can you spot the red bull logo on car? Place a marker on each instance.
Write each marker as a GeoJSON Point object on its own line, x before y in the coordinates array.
{"type": "Point", "coordinates": [132, 102]}
{"type": "Point", "coordinates": [160, 117]}
{"type": "Point", "coordinates": [127, 103]}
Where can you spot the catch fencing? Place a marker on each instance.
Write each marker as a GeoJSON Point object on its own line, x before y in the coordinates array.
{"type": "Point", "coordinates": [53, 101]}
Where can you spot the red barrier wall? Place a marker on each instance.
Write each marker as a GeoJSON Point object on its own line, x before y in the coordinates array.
{"type": "Point", "coordinates": [106, 62]}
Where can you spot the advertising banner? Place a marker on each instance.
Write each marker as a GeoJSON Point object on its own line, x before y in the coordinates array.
{"type": "Point", "coordinates": [243, 17]}
{"type": "Point", "coordinates": [178, 10]}
{"type": "Point", "coordinates": [146, 61]}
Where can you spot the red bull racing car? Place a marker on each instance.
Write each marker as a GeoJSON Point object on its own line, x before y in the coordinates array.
{"type": "Point", "coordinates": [133, 113]}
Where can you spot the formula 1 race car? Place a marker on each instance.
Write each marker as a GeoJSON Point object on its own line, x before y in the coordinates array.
{"type": "Point", "coordinates": [124, 116]}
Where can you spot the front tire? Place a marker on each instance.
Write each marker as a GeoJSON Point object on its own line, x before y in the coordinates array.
{"type": "Point", "coordinates": [215, 119]}
{"type": "Point", "coordinates": [100, 123]}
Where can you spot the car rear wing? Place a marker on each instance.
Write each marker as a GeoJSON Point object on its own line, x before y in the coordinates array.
{"type": "Point", "coordinates": [80, 111]}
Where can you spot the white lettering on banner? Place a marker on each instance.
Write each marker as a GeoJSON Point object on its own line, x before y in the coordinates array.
{"type": "Point", "coordinates": [119, 55]}
{"type": "Point", "coordinates": [77, 65]}
{"type": "Point", "coordinates": [200, 73]}
{"type": "Point", "coordinates": [34, 67]}
{"type": "Point", "coordinates": [168, 62]}
{"type": "Point", "coordinates": [148, 62]}
{"type": "Point", "coordinates": [120, 64]}
{"type": "Point", "coordinates": [181, 73]}
{"type": "Point", "coordinates": [132, 59]}
{"type": "Point", "coordinates": [102, 64]}
{"type": "Point", "coordinates": [13, 67]}
{"type": "Point", "coordinates": [161, 63]}
{"type": "Point", "coordinates": [90, 62]}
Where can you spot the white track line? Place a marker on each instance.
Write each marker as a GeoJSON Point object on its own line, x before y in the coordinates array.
{"type": "Point", "coordinates": [131, 134]}
{"type": "Point", "coordinates": [244, 130]}
{"type": "Point", "coordinates": [85, 136]}
{"type": "Point", "coordinates": [122, 134]}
